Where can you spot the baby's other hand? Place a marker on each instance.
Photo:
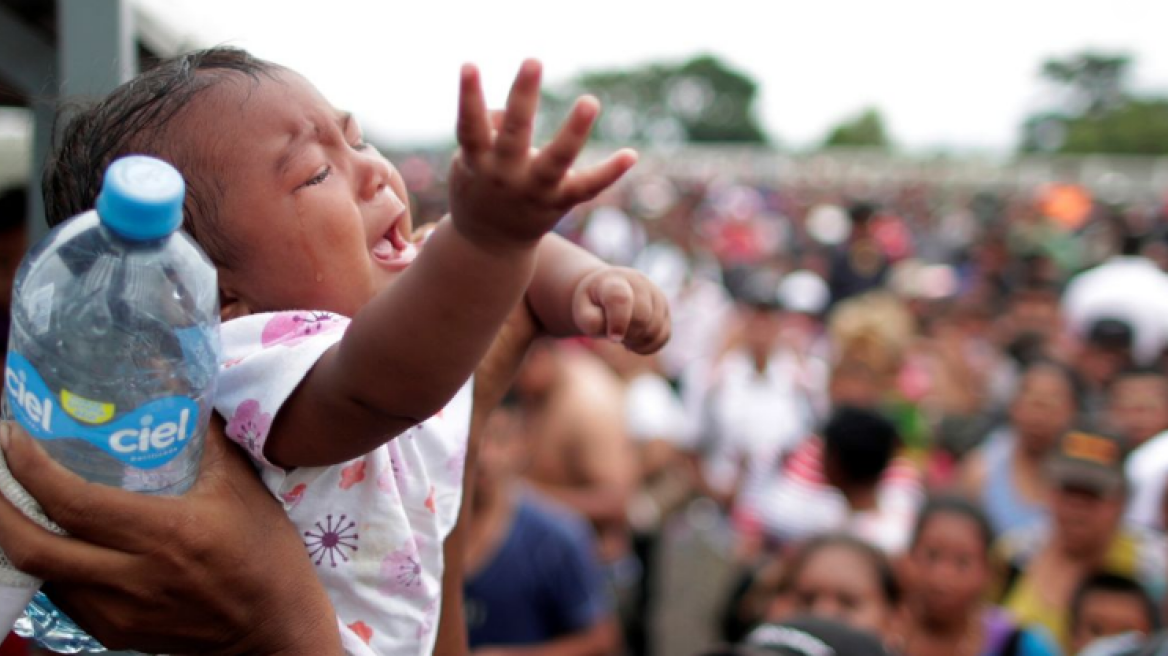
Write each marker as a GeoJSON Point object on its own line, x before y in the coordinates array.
{"type": "Point", "coordinates": [504, 191]}
{"type": "Point", "coordinates": [622, 305]}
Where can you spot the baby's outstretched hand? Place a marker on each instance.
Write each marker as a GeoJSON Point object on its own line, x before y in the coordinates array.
{"type": "Point", "coordinates": [504, 191]}
{"type": "Point", "coordinates": [622, 305]}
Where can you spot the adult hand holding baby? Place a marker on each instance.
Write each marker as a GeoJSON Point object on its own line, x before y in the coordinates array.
{"type": "Point", "coordinates": [223, 557]}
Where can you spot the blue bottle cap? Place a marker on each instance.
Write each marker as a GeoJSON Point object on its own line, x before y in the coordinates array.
{"type": "Point", "coordinates": [141, 198]}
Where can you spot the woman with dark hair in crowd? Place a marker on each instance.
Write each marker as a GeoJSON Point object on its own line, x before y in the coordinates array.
{"type": "Point", "coordinates": [1005, 474]}
{"type": "Point", "coordinates": [832, 575]}
{"type": "Point", "coordinates": [948, 574]}
{"type": "Point", "coordinates": [838, 576]}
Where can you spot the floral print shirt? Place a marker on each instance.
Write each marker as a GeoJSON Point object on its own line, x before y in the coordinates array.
{"type": "Point", "coordinates": [374, 526]}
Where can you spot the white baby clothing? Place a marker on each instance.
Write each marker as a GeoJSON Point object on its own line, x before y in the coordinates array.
{"type": "Point", "coordinates": [374, 526]}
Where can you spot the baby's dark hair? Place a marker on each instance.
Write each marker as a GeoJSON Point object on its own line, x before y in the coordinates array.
{"type": "Point", "coordinates": [1107, 582]}
{"type": "Point", "coordinates": [138, 118]}
{"type": "Point", "coordinates": [954, 505]}
{"type": "Point", "coordinates": [888, 583]}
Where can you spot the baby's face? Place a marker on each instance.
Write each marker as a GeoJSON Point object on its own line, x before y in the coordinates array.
{"type": "Point", "coordinates": [318, 219]}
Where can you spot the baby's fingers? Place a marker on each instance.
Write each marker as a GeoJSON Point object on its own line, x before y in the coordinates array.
{"type": "Point", "coordinates": [555, 159]}
{"type": "Point", "coordinates": [474, 129]}
{"type": "Point", "coordinates": [514, 138]}
{"type": "Point", "coordinates": [615, 297]}
{"type": "Point", "coordinates": [652, 330]}
{"type": "Point", "coordinates": [586, 185]}
{"type": "Point", "coordinates": [605, 307]}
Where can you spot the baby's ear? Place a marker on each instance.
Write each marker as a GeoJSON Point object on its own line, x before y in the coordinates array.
{"type": "Point", "coordinates": [231, 306]}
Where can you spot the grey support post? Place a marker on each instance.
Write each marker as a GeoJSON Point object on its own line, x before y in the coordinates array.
{"type": "Point", "coordinates": [28, 61]}
{"type": "Point", "coordinates": [96, 51]}
{"type": "Point", "coordinates": [96, 45]}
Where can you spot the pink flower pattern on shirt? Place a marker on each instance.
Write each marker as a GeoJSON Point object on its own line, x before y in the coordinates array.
{"type": "Point", "coordinates": [363, 631]}
{"type": "Point", "coordinates": [249, 427]}
{"type": "Point", "coordinates": [399, 468]}
{"type": "Point", "coordinates": [291, 328]}
{"type": "Point", "coordinates": [353, 474]}
{"type": "Point", "coordinates": [456, 464]}
{"type": "Point", "coordinates": [292, 497]}
{"type": "Point", "coordinates": [427, 623]}
{"type": "Point", "coordinates": [374, 525]}
{"type": "Point", "coordinates": [430, 504]}
{"type": "Point", "coordinates": [401, 572]}
{"type": "Point", "coordinates": [387, 480]}
{"type": "Point", "coordinates": [330, 539]}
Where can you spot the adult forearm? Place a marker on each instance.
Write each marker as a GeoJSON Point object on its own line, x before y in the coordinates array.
{"type": "Point", "coordinates": [452, 623]}
{"type": "Point", "coordinates": [597, 503]}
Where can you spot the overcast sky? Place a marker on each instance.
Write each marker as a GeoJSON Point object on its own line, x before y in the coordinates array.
{"type": "Point", "coordinates": [945, 74]}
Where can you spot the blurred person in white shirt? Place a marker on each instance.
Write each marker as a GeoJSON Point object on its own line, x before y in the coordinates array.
{"type": "Point", "coordinates": [759, 399]}
{"type": "Point", "coordinates": [1127, 287]}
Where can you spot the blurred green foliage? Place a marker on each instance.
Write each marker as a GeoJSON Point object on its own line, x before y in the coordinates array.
{"type": "Point", "coordinates": [1096, 111]}
{"type": "Point", "coordinates": [866, 130]}
{"type": "Point", "coordinates": [702, 100]}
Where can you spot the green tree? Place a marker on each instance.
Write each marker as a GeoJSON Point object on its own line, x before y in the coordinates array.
{"type": "Point", "coordinates": [1139, 127]}
{"type": "Point", "coordinates": [1095, 111]}
{"type": "Point", "coordinates": [865, 130]}
{"type": "Point", "coordinates": [702, 100]}
{"type": "Point", "coordinates": [1097, 81]}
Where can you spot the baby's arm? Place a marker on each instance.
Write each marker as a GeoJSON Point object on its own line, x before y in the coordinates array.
{"type": "Point", "coordinates": [574, 293]}
{"type": "Point", "coordinates": [409, 350]}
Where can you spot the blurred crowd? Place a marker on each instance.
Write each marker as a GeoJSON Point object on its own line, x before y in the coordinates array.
{"type": "Point", "coordinates": [915, 418]}
{"type": "Point", "coordinates": [935, 415]}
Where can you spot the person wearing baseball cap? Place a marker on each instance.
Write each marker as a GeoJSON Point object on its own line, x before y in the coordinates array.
{"type": "Point", "coordinates": [1089, 462]}
{"type": "Point", "coordinates": [1086, 535]}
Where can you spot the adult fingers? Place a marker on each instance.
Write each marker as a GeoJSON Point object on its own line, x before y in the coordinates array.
{"type": "Point", "coordinates": [51, 557]}
{"type": "Point", "coordinates": [95, 513]}
{"type": "Point", "coordinates": [142, 620]}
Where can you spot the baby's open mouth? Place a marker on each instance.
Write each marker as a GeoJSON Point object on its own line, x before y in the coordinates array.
{"type": "Point", "coordinates": [393, 248]}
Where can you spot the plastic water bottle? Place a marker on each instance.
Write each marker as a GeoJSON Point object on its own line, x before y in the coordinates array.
{"type": "Point", "coordinates": [114, 349]}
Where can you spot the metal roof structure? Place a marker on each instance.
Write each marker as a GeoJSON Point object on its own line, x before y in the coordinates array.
{"type": "Point", "coordinates": [51, 50]}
